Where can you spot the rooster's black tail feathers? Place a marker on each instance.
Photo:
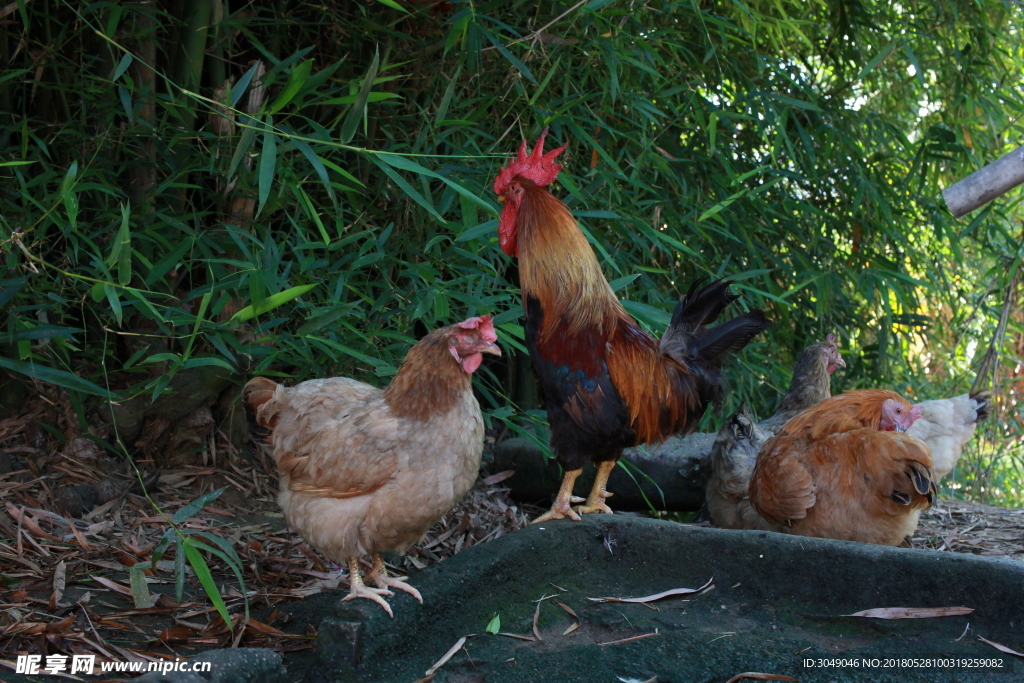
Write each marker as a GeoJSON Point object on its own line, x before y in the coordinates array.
{"type": "Point", "coordinates": [688, 339]}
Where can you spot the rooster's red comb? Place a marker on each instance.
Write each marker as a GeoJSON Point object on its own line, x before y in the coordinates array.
{"type": "Point", "coordinates": [482, 323]}
{"type": "Point", "coordinates": [536, 166]}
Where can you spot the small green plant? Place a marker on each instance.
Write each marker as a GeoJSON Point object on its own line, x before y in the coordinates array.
{"type": "Point", "coordinates": [494, 625]}
{"type": "Point", "coordinates": [189, 545]}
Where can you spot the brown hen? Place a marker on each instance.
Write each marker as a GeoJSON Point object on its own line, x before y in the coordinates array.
{"type": "Point", "coordinates": [844, 469]}
{"type": "Point", "coordinates": [366, 471]}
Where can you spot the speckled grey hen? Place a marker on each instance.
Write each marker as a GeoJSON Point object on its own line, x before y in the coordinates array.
{"type": "Point", "coordinates": [366, 471]}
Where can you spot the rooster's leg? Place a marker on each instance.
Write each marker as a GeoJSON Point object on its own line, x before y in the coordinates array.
{"type": "Point", "coordinates": [595, 501]}
{"type": "Point", "coordinates": [379, 575]}
{"type": "Point", "coordinates": [358, 589]}
{"type": "Point", "coordinates": [561, 508]}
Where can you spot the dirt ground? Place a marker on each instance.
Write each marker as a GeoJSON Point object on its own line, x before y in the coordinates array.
{"type": "Point", "coordinates": [75, 520]}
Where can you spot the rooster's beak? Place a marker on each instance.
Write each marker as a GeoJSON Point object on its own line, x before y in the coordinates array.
{"type": "Point", "coordinates": [490, 347]}
{"type": "Point", "coordinates": [501, 199]}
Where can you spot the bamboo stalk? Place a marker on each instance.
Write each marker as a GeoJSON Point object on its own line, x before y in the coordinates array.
{"type": "Point", "coordinates": [986, 184]}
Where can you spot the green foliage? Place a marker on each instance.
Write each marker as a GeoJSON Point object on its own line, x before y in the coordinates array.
{"type": "Point", "coordinates": [187, 545]}
{"type": "Point", "coordinates": [311, 219]}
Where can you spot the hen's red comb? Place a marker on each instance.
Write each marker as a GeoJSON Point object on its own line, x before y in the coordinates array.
{"type": "Point", "coordinates": [482, 323]}
{"type": "Point", "coordinates": [536, 166]}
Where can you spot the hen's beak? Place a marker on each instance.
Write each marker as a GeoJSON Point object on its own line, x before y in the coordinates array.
{"type": "Point", "coordinates": [840, 362]}
{"type": "Point", "coordinates": [489, 347]}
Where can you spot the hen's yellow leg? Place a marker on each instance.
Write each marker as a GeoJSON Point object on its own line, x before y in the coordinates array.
{"type": "Point", "coordinates": [379, 575]}
{"type": "Point", "coordinates": [595, 501]}
{"type": "Point", "coordinates": [358, 589]}
{"type": "Point", "coordinates": [562, 507]}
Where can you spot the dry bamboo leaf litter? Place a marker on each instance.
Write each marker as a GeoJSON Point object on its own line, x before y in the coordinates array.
{"type": "Point", "coordinates": [760, 677]}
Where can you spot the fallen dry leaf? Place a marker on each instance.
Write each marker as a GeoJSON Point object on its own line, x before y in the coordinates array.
{"type": "Point", "coordinates": [59, 574]}
{"type": "Point", "coordinates": [760, 677]}
{"type": "Point", "coordinates": [575, 616]}
{"type": "Point", "coordinates": [656, 596]}
{"type": "Point", "coordinates": [912, 612]}
{"type": "Point", "coordinates": [1001, 648]}
{"type": "Point", "coordinates": [447, 655]}
{"type": "Point", "coordinates": [174, 633]}
{"type": "Point", "coordinates": [497, 478]}
{"type": "Point", "coordinates": [536, 616]}
{"type": "Point", "coordinates": [112, 585]}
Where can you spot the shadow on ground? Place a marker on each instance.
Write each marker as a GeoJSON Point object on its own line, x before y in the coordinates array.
{"type": "Point", "coordinates": [777, 601]}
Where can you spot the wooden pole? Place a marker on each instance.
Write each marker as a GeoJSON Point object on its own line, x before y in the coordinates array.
{"type": "Point", "coordinates": [986, 184]}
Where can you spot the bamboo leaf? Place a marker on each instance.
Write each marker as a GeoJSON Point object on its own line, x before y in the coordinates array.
{"type": "Point", "coordinates": [189, 510]}
{"type": "Point", "coordinates": [406, 164]}
{"type": "Point", "coordinates": [140, 590]}
{"type": "Point", "coordinates": [122, 66]}
{"type": "Point", "coordinates": [59, 378]}
{"type": "Point", "coordinates": [202, 571]}
{"type": "Point", "coordinates": [272, 302]}
{"type": "Point", "coordinates": [355, 114]}
{"type": "Point", "coordinates": [408, 189]}
{"type": "Point", "coordinates": [877, 59]}
{"type": "Point", "coordinates": [268, 162]}
{"type": "Point", "coordinates": [124, 248]}
{"type": "Point", "coordinates": [296, 80]}
{"type": "Point", "coordinates": [393, 5]}
{"type": "Point", "coordinates": [239, 88]}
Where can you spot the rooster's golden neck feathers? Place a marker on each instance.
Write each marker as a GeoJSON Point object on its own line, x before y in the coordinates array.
{"type": "Point", "coordinates": [558, 266]}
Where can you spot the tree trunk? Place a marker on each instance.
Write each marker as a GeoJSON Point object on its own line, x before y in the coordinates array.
{"type": "Point", "coordinates": [670, 476]}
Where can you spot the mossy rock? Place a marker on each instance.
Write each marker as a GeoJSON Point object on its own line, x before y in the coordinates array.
{"type": "Point", "coordinates": [777, 601]}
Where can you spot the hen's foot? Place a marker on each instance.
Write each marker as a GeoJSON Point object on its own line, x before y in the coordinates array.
{"type": "Point", "coordinates": [562, 507]}
{"type": "Point", "coordinates": [595, 501]}
{"type": "Point", "coordinates": [358, 589]}
{"type": "Point", "coordinates": [379, 575]}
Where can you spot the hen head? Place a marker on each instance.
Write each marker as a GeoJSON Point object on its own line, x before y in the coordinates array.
{"type": "Point", "coordinates": [535, 168]}
{"type": "Point", "coordinates": [830, 351]}
{"type": "Point", "coordinates": [470, 339]}
{"type": "Point", "coordinates": [898, 415]}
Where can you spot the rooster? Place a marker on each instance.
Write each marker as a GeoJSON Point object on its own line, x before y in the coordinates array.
{"type": "Point", "coordinates": [608, 384]}
{"type": "Point", "coordinates": [846, 469]}
{"type": "Point", "coordinates": [365, 471]}
{"type": "Point", "coordinates": [741, 437]}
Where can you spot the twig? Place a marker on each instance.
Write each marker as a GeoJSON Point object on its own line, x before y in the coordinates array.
{"type": "Point", "coordinates": [629, 640]}
{"type": "Point", "coordinates": [548, 25]}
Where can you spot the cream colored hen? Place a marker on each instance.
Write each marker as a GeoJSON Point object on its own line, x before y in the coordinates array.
{"type": "Point", "coordinates": [365, 471]}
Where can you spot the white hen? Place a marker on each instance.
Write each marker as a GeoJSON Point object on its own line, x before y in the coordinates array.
{"type": "Point", "coordinates": [947, 424]}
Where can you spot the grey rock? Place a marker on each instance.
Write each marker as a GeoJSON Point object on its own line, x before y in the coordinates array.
{"type": "Point", "coordinates": [230, 665]}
